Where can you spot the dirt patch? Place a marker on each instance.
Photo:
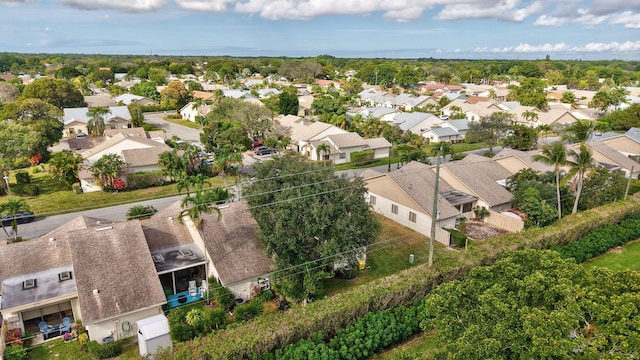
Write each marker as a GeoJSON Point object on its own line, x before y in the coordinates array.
{"type": "Point", "coordinates": [480, 231]}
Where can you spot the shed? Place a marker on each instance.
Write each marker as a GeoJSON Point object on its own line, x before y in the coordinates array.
{"type": "Point", "coordinates": [153, 334]}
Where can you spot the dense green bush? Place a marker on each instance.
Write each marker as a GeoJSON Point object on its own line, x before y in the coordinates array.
{"type": "Point", "coordinates": [601, 240]}
{"type": "Point", "coordinates": [248, 310]}
{"type": "Point", "coordinates": [27, 189]}
{"type": "Point", "coordinates": [16, 352]}
{"type": "Point", "coordinates": [105, 351]}
{"type": "Point", "coordinates": [143, 180]}
{"type": "Point", "coordinates": [23, 178]}
{"type": "Point", "coordinates": [222, 296]}
{"type": "Point", "coordinates": [367, 336]}
{"type": "Point", "coordinates": [77, 188]}
{"type": "Point", "coordinates": [276, 330]}
{"type": "Point", "coordinates": [362, 157]}
{"type": "Point", "coordinates": [458, 239]}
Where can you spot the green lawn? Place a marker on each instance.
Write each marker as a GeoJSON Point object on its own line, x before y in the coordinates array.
{"type": "Point", "coordinates": [187, 123]}
{"type": "Point", "coordinates": [421, 345]}
{"type": "Point", "coordinates": [58, 349]}
{"type": "Point", "coordinates": [390, 254]}
{"type": "Point", "coordinates": [55, 198]}
{"type": "Point", "coordinates": [619, 259]}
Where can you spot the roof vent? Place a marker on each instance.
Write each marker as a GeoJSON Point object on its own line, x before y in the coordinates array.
{"type": "Point", "coordinates": [186, 252]}
{"type": "Point", "coordinates": [104, 228]}
{"type": "Point", "coordinates": [52, 239]}
{"type": "Point", "coordinates": [223, 207]}
{"type": "Point", "coordinates": [95, 291]}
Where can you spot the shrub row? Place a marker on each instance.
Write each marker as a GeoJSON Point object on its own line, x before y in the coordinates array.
{"type": "Point", "coordinates": [601, 240]}
{"type": "Point", "coordinates": [276, 330]}
{"type": "Point", "coordinates": [366, 337]}
{"type": "Point", "coordinates": [105, 351]}
{"type": "Point", "coordinates": [144, 180]}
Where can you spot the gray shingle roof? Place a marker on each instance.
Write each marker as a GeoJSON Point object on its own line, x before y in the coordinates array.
{"type": "Point", "coordinates": [483, 184]}
{"type": "Point", "coordinates": [114, 260]}
{"type": "Point", "coordinates": [418, 181]}
{"type": "Point", "coordinates": [233, 245]}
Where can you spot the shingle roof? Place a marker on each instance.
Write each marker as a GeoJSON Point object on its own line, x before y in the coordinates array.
{"type": "Point", "coordinates": [347, 140]}
{"type": "Point", "coordinates": [143, 157]}
{"type": "Point", "coordinates": [418, 181]}
{"type": "Point", "coordinates": [114, 271]}
{"type": "Point", "coordinates": [377, 143]}
{"type": "Point", "coordinates": [233, 245]}
{"type": "Point", "coordinates": [163, 230]}
{"type": "Point", "coordinates": [80, 114]}
{"type": "Point", "coordinates": [483, 184]}
{"type": "Point", "coordinates": [616, 157]}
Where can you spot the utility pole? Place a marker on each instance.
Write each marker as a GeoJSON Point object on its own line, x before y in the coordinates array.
{"type": "Point", "coordinates": [434, 214]}
{"type": "Point", "coordinates": [626, 192]}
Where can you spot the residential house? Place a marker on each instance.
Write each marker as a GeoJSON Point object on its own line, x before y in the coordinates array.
{"type": "Point", "coordinates": [442, 134]}
{"type": "Point", "coordinates": [112, 274]}
{"type": "Point", "coordinates": [406, 196]}
{"type": "Point", "coordinates": [416, 122]}
{"type": "Point", "coordinates": [304, 105]}
{"type": "Point", "coordinates": [139, 153]}
{"type": "Point", "coordinates": [75, 119]}
{"type": "Point", "coordinates": [62, 274]}
{"type": "Point", "coordinates": [461, 126]}
{"type": "Point", "coordinates": [383, 114]}
{"type": "Point", "coordinates": [103, 100]}
{"type": "Point", "coordinates": [341, 146]}
{"type": "Point", "coordinates": [481, 177]}
{"type": "Point", "coordinates": [203, 95]}
{"type": "Point", "coordinates": [516, 160]}
{"type": "Point", "coordinates": [304, 131]}
{"type": "Point", "coordinates": [614, 160]}
{"type": "Point", "coordinates": [129, 99]}
{"type": "Point", "coordinates": [193, 111]}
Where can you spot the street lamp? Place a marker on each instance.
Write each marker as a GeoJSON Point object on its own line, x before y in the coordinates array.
{"type": "Point", "coordinates": [6, 180]}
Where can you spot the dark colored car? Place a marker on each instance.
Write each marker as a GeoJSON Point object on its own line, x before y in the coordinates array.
{"type": "Point", "coordinates": [263, 150]}
{"type": "Point", "coordinates": [21, 218]}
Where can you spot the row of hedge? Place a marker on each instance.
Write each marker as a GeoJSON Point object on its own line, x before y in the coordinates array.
{"type": "Point", "coordinates": [601, 240]}
{"type": "Point", "coordinates": [368, 336]}
{"type": "Point", "coordinates": [276, 330]}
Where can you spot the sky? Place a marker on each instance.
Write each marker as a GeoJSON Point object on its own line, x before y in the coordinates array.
{"type": "Point", "coordinates": [446, 29]}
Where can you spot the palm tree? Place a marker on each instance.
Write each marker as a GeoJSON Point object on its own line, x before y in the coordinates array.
{"type": "Point", "coordinates": [11, 208]}
{"type": "Point", "coordinates": [580, 131]}
{"type": "Point", "coordinates": [325, 150]}
{"type": "Point", "coordinates": [581, 164]}
{"type": "Point", "coordinates": [107, 169]}
{"type": "Point", "coordinates": [95, 125]}
{"type": "Point", "coordinates": [203, 201]}
{"type": "Point", "coordinates": [530, 116]}
{"type": "Point", "coordinates": [192, 182]}
{"type": "Point", "coordinates": [556, 155]}
{"type": "Point", "coordinates": [442, 149]}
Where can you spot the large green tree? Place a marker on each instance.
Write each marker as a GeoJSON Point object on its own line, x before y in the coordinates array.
{"type": "Point", "coordinates": [308, 217]}
{"type": "Point", "coordinates": [16, 144]}
{"type": "Point", "coordinates": [288, 104]}
{"type": "Point", "coordinates": [57, 92]}
{"type": "Point", "coordinates": [490, 129]}
{"type": "Point", "coordinates": [39, 116]}
{"type": "Point", "coordinates": [532, 304]}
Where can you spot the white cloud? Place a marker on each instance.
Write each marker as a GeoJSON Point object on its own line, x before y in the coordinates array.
{"type": "Point", "coordinates": [15, 2]}
{"type": "Point", "coordinates": [119, 5]}
{"type": "Point", "coordinates": [47, 29]}
{"type": "Point", "coordinates": [627, 46]}
{"type": "Point", "coordinates": [580, 16]}
{"type": "Point", "coordinates": [202, 5]}
{"type": "Point", "coordinates": [628, 19]}
{"type": "Point", "coordinates": [507, 10]}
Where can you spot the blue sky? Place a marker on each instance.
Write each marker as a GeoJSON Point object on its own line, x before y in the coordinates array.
{"type": "Point", "coordinates": [469, 29]}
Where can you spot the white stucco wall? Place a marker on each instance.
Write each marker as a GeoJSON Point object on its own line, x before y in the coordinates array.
{"type": "Point", "coordinates": [98, 331]}
{"type": "Point", "coordinates": [423, 220]}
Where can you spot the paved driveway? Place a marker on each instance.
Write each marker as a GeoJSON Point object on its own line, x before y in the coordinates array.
{"type": "Point", "coordinates": [182, 132]}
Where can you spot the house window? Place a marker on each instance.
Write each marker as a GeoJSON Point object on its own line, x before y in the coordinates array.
{"type": "Point", "coordinates": [394, 209]}
{"type": "Point", "coordinates": [65, 275]}
{"type": "Point", "coordinates": [29, 284]}
{"type": "Point", "coordinates": [342, 156]}
{"type": "Point", "coordinates": [412, 216]}
{"type": "Point", "coordinates": [467, 207]}
{"type": "Point", "coordinates": [372, 200]}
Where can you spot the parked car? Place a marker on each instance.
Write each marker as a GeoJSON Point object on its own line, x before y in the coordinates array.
{"type": "Point", "coordinates": [21, 218]}
{"type": "Point", "coordinates": [81, 135]}
{"type": "Point", "coordinates": [263, 150]}
{"type": "Point", "coordinates": [257, 144]}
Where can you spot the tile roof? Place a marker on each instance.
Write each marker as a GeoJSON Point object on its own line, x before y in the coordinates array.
{"type": "Point", "coordinates": [481, 178]}
{"type": "Point", "coordinates": [144, 157]}
{"type": "Point", "coordinates": [347, 140]}
{"type": "Point", "coordinates": [377, 143]}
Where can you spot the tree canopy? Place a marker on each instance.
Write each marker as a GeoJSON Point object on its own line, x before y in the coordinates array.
{"type": "Point", "coordinates": [307, 215]}
{"type": "Point", "coordinates": [57, 92]}
{"type": "Point", "coordinates": [532, 304]}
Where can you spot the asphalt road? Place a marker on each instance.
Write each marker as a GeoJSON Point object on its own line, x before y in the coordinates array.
{"type": "Point", "coordinates": [43, 225]}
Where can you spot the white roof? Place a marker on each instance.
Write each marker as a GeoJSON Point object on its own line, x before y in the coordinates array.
{"type": "Point", "coordinates": [153, 327]}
